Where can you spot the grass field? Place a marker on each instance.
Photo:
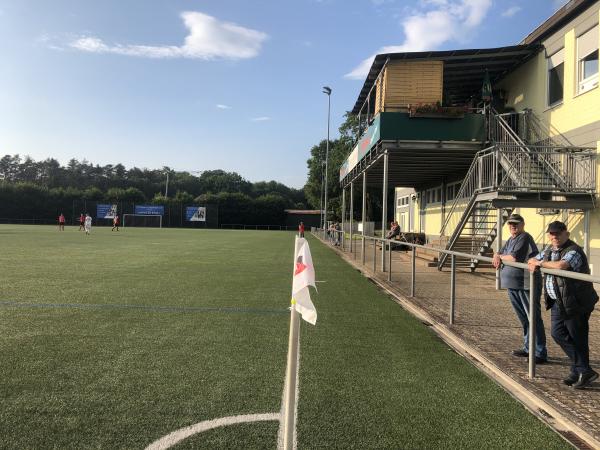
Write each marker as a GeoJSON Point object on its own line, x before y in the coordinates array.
{"type": "Point", "coordinates": [116, 339]}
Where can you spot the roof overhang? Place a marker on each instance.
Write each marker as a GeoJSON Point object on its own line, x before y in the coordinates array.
{"type": "Point", "coordinates": [416, 164]}
{"type": "Point", "coordinates": [464, 70]}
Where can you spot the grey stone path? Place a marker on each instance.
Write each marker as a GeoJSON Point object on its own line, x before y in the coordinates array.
{"type": "Point", "coordinates": [484, 319]}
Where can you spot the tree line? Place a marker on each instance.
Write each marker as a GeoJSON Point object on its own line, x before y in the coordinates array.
{"type": "Point", "coordinates": [41, 189]}
{"type": "Point", "coordinates": [30, 188]}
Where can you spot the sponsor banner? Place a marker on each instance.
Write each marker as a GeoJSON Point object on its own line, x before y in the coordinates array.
{"type": "Point", "coordinates": [106, 211]}
{"type": "Point", "coordinates": [195, 213]}
{"type": "Point", "coordinates": [366, 142]}
{"type": "Point", "coordinates": [150, 210]}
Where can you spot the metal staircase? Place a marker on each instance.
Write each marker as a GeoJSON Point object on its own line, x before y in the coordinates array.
{"type": "Point", "coordinates": [522, 163]}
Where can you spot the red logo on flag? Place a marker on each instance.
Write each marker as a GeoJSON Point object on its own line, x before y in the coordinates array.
{"type": "Point", "coordinates": [299, 266]}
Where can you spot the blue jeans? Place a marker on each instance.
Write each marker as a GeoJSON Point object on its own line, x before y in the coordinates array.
{"type": "Point", "coordinates": [519, 298]}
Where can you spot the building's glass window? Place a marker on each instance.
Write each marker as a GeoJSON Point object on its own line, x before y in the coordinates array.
{"type": "Point", "coordinates": [556, 77]}
{"type": "Point", "coordinates": [587, 60]}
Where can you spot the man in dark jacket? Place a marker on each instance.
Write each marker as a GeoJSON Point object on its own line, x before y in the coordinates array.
{"type": "Point", "coordinates": [572, 301]}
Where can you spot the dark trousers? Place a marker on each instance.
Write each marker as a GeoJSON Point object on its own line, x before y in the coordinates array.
{"type": "Point", "coordinates": [572, 335]}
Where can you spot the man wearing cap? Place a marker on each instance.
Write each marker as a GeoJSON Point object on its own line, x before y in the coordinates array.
{"type": "Point", "coordinates": [519, 248]}
{"type": "Point", "coordinates": [572, 301]}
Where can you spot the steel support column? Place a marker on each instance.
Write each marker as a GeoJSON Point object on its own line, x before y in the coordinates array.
{"type": "Point", "coordinates": [364, 213]}
{"type": "Point", "coordinates": [384, 208]}
{"type": "Point", "coordinates": [343, 218]}
{"type": "Point", "coordinates": [499, 226]}
{"type": "Point", "coordinates": [532, 330]}
{"type": "Point", "coordinates": [586, 232]}
{"type": "Point", "coordinates": [351, 216]}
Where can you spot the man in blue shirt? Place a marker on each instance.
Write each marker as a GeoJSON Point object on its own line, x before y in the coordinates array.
{"type": "Point", "coordinates": [519, 248]}
{"type": "Point", "coordinates": [572, 301]}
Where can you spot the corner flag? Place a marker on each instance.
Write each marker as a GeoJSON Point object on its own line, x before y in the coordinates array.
{"type": "Point", "coordinates": [304, 276]}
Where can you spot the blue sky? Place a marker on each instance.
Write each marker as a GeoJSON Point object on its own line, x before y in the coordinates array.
{"type": "Point", "coordinates": [200, 85]}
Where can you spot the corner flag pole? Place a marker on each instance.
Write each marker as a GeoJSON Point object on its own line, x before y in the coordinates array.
{"type": "Point", "coordinates": [289, 406]}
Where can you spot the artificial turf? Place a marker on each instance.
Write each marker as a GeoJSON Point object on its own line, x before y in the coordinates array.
{"type": "Point", "coordinates": [116, 339]}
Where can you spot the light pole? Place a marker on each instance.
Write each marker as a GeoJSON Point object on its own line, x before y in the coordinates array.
{"type": "Point", "coordinates": [167, 185]}
{"type": "Point", "coordinates": [327, 91]}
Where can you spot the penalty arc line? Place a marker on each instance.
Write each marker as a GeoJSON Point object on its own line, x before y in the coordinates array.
{"type": "Point", "coordinates": [183, 433]}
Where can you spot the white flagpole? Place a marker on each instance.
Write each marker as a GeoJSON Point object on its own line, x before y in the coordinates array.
{"type": "Point", "coordinates": [289, 406]}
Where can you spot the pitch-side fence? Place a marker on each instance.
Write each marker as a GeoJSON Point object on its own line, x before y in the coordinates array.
{"type": "Point", "coordinates": [241, 226]}
{"type": "Point", "coordinates": [334, 237]}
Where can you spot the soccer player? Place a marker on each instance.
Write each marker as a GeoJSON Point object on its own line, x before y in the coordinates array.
{"type": "Point", "coordinates": [61, 222]}
{"type": "Point", "coordinates": [81, 222]}
{"type": "Point", "coordinates": [115, 223]}
{"type": "Point", "coordinates": [88, 224]}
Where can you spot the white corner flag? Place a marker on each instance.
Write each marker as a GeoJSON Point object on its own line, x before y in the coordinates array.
{"type": "Point", "coordinates": [304, 276]}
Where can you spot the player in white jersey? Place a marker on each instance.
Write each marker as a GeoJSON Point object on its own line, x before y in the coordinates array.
{"type": "Point", "coordinates": [88, 224]}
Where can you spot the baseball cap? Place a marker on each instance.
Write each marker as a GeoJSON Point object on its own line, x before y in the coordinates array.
{"type": "Point", "coordinates": [556, 227]}
{"type": "Point", "coordinates": [515, 218]}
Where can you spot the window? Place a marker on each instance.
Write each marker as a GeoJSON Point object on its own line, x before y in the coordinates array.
{"type": "Point", "coordinates": [556, 77]}
{"type": "Point", "coordinates": [587, 60]}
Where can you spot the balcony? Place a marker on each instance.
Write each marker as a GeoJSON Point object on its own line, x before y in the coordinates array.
{"type": "Point", "coordinates": [421, 148]}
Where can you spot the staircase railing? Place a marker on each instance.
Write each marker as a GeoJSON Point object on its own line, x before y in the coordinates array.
{"type": "Point", "coordinates": [509, 169]}
{"type": "Point", "coordinates": [502, 134]}
{"type": "Point", "coordinates": [479, 178]}
{"type": "Point", "coordinates": [524, 157]}
{"type": "Point", "coordinates": [532, 130]}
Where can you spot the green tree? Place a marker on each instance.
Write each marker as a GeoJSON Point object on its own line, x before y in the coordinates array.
{"type": "Point", "coordinates": [339, 150]}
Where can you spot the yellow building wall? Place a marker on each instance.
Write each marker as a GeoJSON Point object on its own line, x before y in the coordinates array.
{"type": "Point", "coordinates": [527, 88]}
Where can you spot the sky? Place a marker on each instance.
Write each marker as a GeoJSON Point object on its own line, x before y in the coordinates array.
{"type": "Point", "coordinates": [201, 85]}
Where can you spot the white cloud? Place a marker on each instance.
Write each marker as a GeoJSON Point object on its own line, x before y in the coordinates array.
{"type": "Point", "coordinates": [260, 119]}
{"type": "Point", "coordinates": [511, 11]}
{"type": "Point", "coordinates": [438, 22]}
{"type": "Point", "coordinates": [208, 39]}
{"type": "Point", "coordinates": [221, 106]}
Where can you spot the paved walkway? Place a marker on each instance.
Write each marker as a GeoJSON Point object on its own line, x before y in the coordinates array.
{"type": "Point", "coordinates": [484, 320]}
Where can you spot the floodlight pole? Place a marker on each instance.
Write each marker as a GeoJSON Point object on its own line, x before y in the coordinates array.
{"type": "Point", "coordinates": [327, 91]}
{"type": "Point", "coordinates": [167, 186]}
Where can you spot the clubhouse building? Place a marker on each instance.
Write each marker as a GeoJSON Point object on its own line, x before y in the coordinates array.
{"type": "Point", "coordinates": [455, 141]}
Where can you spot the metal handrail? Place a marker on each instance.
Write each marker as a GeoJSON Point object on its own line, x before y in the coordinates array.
{"type": "Point", "coordinates": [454, 255]}
{"type": "Point", "coordinates": [561, 273]}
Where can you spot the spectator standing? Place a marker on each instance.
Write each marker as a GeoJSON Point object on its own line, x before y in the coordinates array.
{"type": "Point", "coordinates": [61, 222]}
{"type": "Point", "coordinates": [337, 229]}
{"type": "Point", "coordinates": [571, 302]}
{"type": "Point", "coordinates": [301, 229]}
{"type": "Point", "coordinates": [519, 248]}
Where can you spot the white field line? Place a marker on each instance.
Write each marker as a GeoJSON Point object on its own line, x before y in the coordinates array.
{"type": "Point", "coordinates": [280, 437]}
{"type": "Point", "coordinates": [179, 435]}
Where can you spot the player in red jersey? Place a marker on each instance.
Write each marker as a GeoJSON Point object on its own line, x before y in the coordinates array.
{"type": "Point", "coordinates": [81, 222]}
{"type": "Point", "coordinates": [61, 222]}
{"type": "Point", "coordinates": [115, 223]}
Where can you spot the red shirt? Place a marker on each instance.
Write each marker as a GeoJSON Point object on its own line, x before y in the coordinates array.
{"type": "Point", "coordinates": [61, 219]}
{"type": "Point", "coordinates": [82, 218]}
{"type": "Point", "coordinates": [301, 228]}
{"type": "Point", "coordinates": [116, 220]}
